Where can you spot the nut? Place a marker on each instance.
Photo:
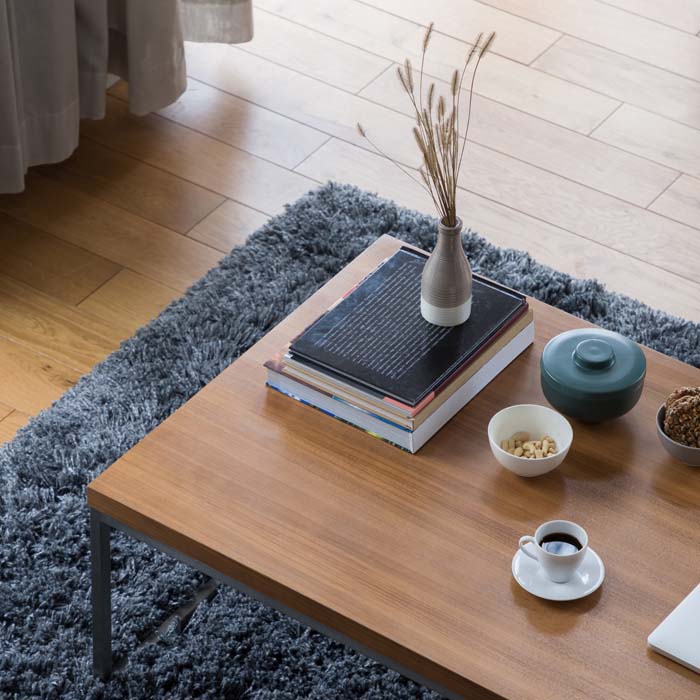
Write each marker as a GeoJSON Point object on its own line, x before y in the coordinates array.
{"type": "Point", "coordinates": [521, 445]}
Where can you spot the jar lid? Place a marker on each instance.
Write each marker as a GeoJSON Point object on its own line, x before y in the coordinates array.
{"type": "Point", "coordinates": [592, 361]}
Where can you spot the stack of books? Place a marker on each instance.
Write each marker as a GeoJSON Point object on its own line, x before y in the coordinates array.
{"type": "Point", "coordinates": [372, 361]}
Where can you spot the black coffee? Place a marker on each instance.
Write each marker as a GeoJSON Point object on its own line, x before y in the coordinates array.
{"type": "Point", "coordinates": [560, 543]}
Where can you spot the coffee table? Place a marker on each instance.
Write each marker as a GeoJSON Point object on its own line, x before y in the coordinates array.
{"type": "Point", "coordinates": [407, 557]}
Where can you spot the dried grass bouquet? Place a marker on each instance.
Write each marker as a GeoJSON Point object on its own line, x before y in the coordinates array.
{"type": "Point", "coordinates": [437, 129]}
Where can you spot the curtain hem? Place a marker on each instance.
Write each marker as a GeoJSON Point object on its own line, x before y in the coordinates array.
{"type": "Point", "coordinates": [141, 43]}
{"type": "Point", "coordinates": [46, 138]}
{"type": "Point", "coordinates": [158, 85]}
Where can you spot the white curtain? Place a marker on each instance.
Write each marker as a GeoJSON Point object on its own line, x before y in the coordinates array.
{"type": "Point", "coordinates": [226, 21]}
{"type": "Point", "coordinates": [55, 56]}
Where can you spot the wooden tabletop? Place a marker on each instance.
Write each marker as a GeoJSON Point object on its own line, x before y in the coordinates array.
{"type": "Point", "coordinates": [410, 555]}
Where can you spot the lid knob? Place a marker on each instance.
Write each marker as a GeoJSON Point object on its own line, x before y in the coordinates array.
{"type": "Point", "coordinates": [594, 353]}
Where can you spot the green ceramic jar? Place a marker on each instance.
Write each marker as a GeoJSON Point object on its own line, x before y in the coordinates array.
{"type": "Point", "coordinates": [592, 374]}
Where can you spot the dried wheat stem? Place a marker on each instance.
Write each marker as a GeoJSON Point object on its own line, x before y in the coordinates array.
{"type": "Point", "coordinates": [426, 41]}
{"type": "Point", "coordinates": [405, 171]}
{"type": "Point", "coordinates": [437, 133]}
{"type": "Point", "coordinates": [485, 48]}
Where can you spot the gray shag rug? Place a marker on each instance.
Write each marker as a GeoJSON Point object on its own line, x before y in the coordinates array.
{"type": "Point", "coordinates": [233, 647]}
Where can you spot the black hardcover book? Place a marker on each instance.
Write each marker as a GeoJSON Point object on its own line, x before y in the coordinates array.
{"type": "Point", "coordinates": [376, 336]}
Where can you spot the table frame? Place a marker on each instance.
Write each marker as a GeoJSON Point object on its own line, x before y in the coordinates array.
{"type": "Point", "coordinates": [181, 486]}
{"type": "Point", "coordinates": [101, 527]}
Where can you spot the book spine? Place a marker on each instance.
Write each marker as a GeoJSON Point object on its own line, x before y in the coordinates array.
{"type": "Point", "coordinates": [303, 372]}
{"type": "Point", "coordinates": [290, 380]}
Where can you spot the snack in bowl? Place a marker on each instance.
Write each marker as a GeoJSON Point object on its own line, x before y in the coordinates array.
{"type": "Point", "coordinates": [521, 445]}
{"type": "Point", "coordinates": [529, 424]}
{"type": "Point", "coordinates": [682, 416]}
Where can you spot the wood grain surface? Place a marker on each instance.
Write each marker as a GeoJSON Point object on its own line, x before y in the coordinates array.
{"type": "Point", "coordinates": [508, 227]}
{"type": "Point", "coordinates": [628, 79]}
{"type": "Point", "coordinates": [585, 115]}
{"type": "Point", "coordinates": [410, 554]}
{"type": "Point", "coordinates": [599, 23]}
{"type": "Point", "coordinates": [681, 201]}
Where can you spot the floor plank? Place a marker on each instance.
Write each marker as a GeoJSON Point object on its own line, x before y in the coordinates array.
{"type": "Point", "coordinates": [70, 335]}
{"type": "Point", "coordinates": [110, 232]}
{"type": "Point", "coordinates": [11, 424]}
{"type": "Point", "coordinates": [5, 411]}
{"type": "Point", "coordinates": [518, 184]}
{"type": "Point", "coordinates": [31, 381]}
{"type": "Point", "coordinates": [500, 79]}
{"type": "Point", "coordinates": [49, 264]}
{"type": "Point", "coordinates": [591, 214]}
{"type": "Point", "coordinates": [326, 108]}
{"type": "Point", "coordinates": [312, 53]}
{"type": "Point", "coordinates": [504, 226]}
{"type": "Point", "coordinates": [228, 226]}
{"type": "Point", "coordinates": [337, 112]}
{"type": "Point", "coordinates": [682, 14]}
{"type": "Point", "coordinates": [545, 145]}
{"type": "Point", "coordinates": [612, 28]}
{"type": "Point", "coordinates": [654, 137]}
{"type": "Point", "coordinates": [94, 248]}
{"type": "Point", "coordinates": [239, 123]}
{"type": "Point", "coordinates": [518, 38]}
{"type": "Point", "coordinates": [198, 158]}
{"type": "Point", "coordinates": [681, 201]}
{"type": "Point", "coordinates": [129, 300]}
{"type": "Point", "coordinates": [624, 78]}
{"type": "Point", "coordinates": [132, 185]}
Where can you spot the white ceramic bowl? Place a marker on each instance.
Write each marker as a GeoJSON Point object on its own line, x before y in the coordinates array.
{"type": "Point", "coordinates": [538, 421]}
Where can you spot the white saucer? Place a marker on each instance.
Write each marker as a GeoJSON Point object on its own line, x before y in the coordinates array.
{"type": "Point", "coordinates": [529, 574]}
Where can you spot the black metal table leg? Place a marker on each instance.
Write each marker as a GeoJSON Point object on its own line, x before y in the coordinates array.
{"type": "Point", "coordinates": [101, 595]}
{"type": "Point", "coordinates": [101, 527]}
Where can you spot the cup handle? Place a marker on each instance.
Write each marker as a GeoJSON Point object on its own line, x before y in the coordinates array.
{"type": "Point", "coordinates": [525, 540]}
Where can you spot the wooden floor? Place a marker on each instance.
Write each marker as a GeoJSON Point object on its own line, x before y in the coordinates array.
{"type": "Point", "coordinates": [585, 151]}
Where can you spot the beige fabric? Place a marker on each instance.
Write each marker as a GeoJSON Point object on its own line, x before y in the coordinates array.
{"type": "Point", "coordinates": [55, 56]}
{"type": "Point", "coordinates": [227, 21]}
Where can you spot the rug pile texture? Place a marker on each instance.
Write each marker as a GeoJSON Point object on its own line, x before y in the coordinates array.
{"type": "Point", "coordinates": [233, 648]}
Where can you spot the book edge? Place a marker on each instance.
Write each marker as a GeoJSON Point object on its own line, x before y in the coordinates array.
{"type": "Point", "coordinates": [511, 318]}
{"type": "Point", "coordinates": [417, 438]}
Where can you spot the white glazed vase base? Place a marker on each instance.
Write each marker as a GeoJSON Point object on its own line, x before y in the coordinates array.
{"type": "Point", "coordinates": [439, 316]}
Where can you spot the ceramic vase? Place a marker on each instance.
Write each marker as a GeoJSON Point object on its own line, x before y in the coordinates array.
{"type": "Point", "coordinates": [446, 284]}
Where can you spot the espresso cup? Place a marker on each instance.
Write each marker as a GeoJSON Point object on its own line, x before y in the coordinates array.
{"type": "Point", "coordinates": [559, 546]}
